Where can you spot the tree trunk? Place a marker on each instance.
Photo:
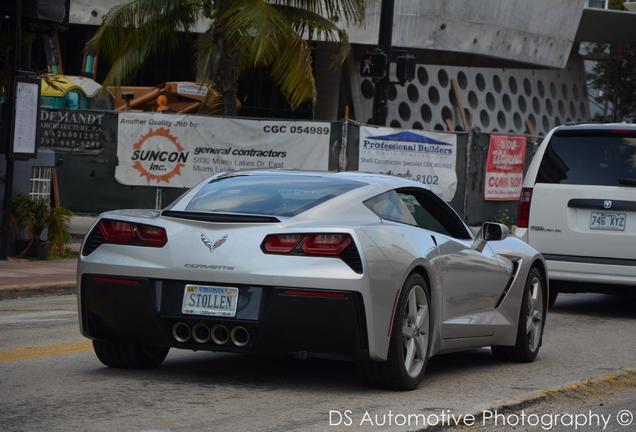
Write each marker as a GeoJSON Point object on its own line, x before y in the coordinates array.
{"type": "Point", "coordinates": [223, 72]}
{"type": "Point", "coordinates": [26, 249]}
{"type": "Point", "coordinates": [229, 84]}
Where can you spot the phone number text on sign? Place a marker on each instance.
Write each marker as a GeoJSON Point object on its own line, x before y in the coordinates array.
{"type": "Point", "coordinates": [426, 157]}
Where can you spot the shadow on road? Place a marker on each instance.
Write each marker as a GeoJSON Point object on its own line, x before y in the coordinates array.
{"type": "Point", "coordinates": [211, 369]}
{"type": "Point", "coordinates": [596, 305]}
{"type": "Point", "coordinates": [307, 375]}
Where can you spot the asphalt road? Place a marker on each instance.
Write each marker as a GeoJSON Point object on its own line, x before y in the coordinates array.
{"type": "Point", "coordinates": [51, 380]}
{"type": "Point", "coordinates": [609, 411]}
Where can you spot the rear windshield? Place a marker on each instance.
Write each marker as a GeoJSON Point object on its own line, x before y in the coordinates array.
{"type": "Point", "coordinates": [280, 195]}
{"type": "Point", "coordinates": [601, 159]}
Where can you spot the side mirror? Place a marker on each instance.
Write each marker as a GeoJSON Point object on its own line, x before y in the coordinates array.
{"type": "Point", "coordinates": [490, 231]}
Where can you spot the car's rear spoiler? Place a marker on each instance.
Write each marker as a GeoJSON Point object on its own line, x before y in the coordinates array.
{"type": "Point", "coordinates": [220, 217]}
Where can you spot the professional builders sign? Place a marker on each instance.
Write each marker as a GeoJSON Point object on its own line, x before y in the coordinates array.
{"type": "Point", "coordinates": [180, 151]}
{"type": "Point", "coordinates": [426, 157]}
{"type": "Point", "coordinates": [504, 167]}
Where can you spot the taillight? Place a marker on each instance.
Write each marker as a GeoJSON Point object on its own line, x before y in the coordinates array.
{"type": "Point", "coordinates": [281, 243]}
{"type": "Point", "coordinates": [124, 233]}
{"type": "Point", "coordinates": [114, 280]}
{"type": "Point", "coordinates": [334, 245]}
{"type": "Point", "coordinates": [306, 244]}
{"type": "Point", "coordinates": [117, 231]}
{"type": "Point", "coordinates": [523, 212]}
{"type": "Point", "coordinates": [326, 244]}
{"type": "Point", "coordinates": [152, 235]}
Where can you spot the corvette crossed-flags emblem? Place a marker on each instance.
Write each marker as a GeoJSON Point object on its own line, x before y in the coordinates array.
{"type": "Point", "coordinates": [212, 246]}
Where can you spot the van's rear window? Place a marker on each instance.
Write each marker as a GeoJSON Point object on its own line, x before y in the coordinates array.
{"type": "Point", "coordinates": [592, 158]}
{"type": "Point", "coordinates": [272, 195]}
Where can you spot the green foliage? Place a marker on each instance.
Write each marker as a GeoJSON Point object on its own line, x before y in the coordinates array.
{"type": "Point", "coordinates": [30, 216]}
{"type": "Point", "coordinates": [58, 232]}
{"type": "Point", "coordinates": [616, 4]}
{"type": "Point", "coordinates": [616, 77]}
{"type": "Point", "coordinates": [242, 34]}
{"type": "Point", "coordinates": [503, 216]}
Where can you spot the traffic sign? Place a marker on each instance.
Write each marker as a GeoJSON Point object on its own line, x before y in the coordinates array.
{"type": "Point", "coordinates": [405, 68]}
{"type": "Point", "coordinates": [374, 64]}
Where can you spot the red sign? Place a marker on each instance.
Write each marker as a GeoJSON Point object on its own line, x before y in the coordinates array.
{"type": "Point", "coordinates": [504, 167]}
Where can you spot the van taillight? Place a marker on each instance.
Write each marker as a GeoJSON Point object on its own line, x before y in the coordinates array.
{"type": "Point", "coordinates": [523, 212]}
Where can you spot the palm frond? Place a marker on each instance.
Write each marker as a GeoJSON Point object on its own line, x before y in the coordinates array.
{"type": "Point", "coordinates": [142, 28]}
{"type": "Point", "coordinates": [126, 65]}
{"type": "Point", "coordinates": [350, 11]}
{"type": "Point", "coordinates": [292, 71]}
{"type": "Point", "coordinates": [256, 30]}
{"type": "Point", "coordinates": [316, 27]}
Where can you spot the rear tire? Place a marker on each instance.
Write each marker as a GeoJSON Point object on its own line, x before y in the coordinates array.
{"type": "Point", "coordinates": [129, 355]}
{"type": "Point", "coordinates": [410, 340]}
{"type": "Point", "coordinates": [531, 323]}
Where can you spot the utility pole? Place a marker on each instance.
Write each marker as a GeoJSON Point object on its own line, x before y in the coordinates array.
{"type": "Point", "coordinates": [381, 94]}
{"type": "Point", "coordinates": [7, 125]}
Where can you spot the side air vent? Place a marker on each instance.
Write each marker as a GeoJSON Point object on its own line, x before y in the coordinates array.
{"type": "Point", "coordinates": [352, 258]}
{"type": "Point", "coordinates": [94, 239]}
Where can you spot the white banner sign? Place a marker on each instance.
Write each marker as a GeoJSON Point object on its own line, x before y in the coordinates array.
{"type": "Point", "coordinates": [426, 157]}
{"type": "Point", "coordinates": [182, 150]}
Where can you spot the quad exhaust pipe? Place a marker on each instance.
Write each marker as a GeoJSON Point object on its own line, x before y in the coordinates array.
{"type": "Point", "coordinates": [181, 332]}
{"type": "Point", "coordinates": [219, 334]}
{"type": "Point", "coordinates": [200, 333]}
{"type": "Point", "coordinates": [240, 336]}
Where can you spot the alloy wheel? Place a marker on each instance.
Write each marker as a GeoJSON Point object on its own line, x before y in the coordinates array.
{"type": "Point", "coordinates": [415, 329]}
{"type": "Point", "coordinates": [534, 315]}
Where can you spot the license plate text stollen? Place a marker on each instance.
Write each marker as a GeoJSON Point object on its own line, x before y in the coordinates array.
{"type": "Point", "coordinates": [210, 300]}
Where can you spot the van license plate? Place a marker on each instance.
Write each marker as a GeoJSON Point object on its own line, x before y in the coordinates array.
{"type": "Point", "coordinates": [210, 300]}
{"type": "Point", "coordinates": [608, 221]}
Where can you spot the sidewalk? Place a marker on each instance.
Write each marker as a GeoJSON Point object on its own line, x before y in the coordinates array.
{"type": "Point", "coordinates": [21, 277]}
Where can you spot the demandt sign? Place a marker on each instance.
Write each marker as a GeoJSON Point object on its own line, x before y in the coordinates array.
{"type": "Point", "coordinates": [180, 151]}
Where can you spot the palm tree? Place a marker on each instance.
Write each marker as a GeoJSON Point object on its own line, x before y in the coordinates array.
{"type": "Point", "coordinates": [242, 34]}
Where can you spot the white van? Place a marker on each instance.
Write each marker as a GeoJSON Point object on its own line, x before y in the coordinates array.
{"type": "Point", "coordinates": [578, 206]}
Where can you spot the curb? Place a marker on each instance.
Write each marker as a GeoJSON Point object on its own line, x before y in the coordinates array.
{"type": "Point", "coordinates": [42, 289]}
{"type": "Point", "coordinates": [580, 389]}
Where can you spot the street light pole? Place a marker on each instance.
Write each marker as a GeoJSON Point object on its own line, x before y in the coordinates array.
{"type": "Point", "coordinates": [381, 94]}
{"type": "Point", "coordinates": [7, 126]}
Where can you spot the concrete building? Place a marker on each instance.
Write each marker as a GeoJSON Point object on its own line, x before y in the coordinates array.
{"type": "Point", "coordinates": [516, 63]}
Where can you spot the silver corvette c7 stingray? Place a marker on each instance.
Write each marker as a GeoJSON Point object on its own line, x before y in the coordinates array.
{"type": "Point", "coordinates": [366, 267]}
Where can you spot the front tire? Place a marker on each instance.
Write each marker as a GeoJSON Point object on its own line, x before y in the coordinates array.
{"type": "Point", "coordinates": [531, 323]}
{"type": "Point", "coordinates": [129, 355]}
{"type": "Point", "coordinates": [410, 340]}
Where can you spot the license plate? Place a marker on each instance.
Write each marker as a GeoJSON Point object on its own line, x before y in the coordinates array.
{"type": "Point", "coordinates": [210, 300]}
{"type": "Point", "coordinates": [608, 221]}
